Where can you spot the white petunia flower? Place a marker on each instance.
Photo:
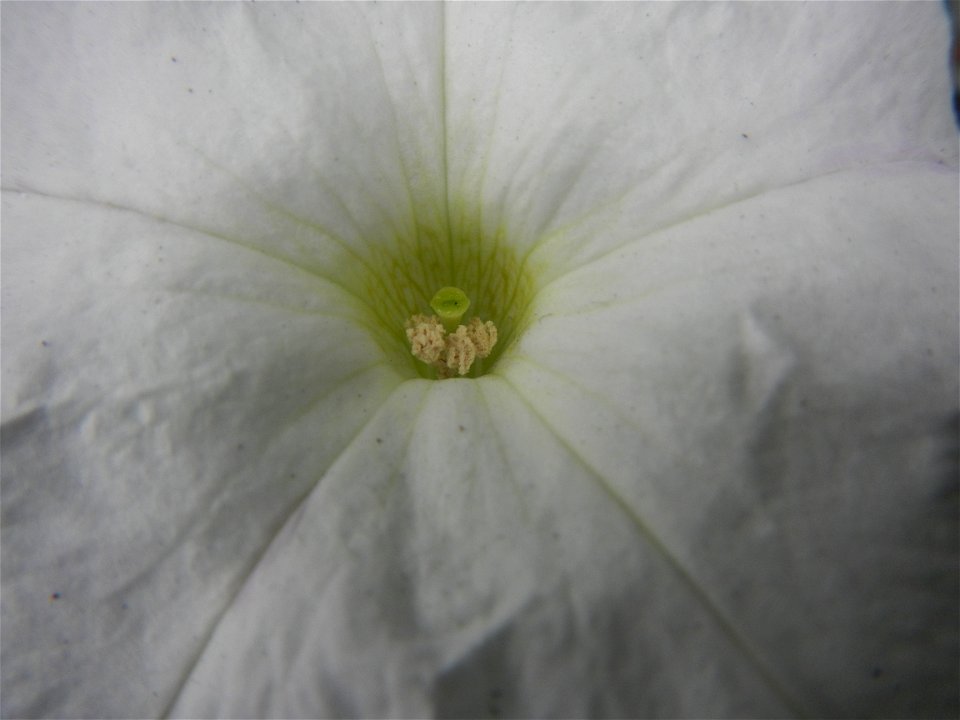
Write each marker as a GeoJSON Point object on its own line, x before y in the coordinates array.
{"type": "Point", "coordinates": [709, 467]}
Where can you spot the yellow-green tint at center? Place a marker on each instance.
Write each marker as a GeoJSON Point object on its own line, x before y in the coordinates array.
{"type": "Point", "coordinates": [404, 270]}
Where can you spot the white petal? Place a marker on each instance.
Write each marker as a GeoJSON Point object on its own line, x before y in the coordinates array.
{"type": "Point", "coordinates": [275, 128]}
{"type": "Point", "coordinates": [750, 513]}
{"type": "Point", "coordinates": [168, 399]}
{"type": "Point", "coordinates": [467, 565]}
{"type": "Point", "coordinates": [771, 391]}
{"type": "Point", "coordinates": [181, 362]}
{"type": "Point", "coordinates": [586, 127]}
{"type": "Point", "coordinates": [171, 443]}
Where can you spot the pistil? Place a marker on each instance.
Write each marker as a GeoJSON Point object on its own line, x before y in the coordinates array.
{"type": "Point", "coordinates": [445, 344]}
{"type": "Point", "coordinates": [450, 304]}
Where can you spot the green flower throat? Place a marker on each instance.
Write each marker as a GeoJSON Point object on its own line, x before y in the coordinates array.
{"type": "Point", "coordinates": [462, 273]}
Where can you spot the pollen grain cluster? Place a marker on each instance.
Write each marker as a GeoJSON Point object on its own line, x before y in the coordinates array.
{"type": "Point", "coordinates": [450, 352]}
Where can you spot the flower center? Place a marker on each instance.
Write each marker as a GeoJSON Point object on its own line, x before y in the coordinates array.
{"type": "Point", "coordinates": [464, 272]}
{"type": "Point", "coordinates": [443, 343]}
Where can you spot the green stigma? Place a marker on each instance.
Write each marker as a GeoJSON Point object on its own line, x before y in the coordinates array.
{"type": "Point", "coordinates": [450, 304]}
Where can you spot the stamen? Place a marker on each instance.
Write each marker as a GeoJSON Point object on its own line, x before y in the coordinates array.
{"type": "Point", "coordinates": [449, 349]}
{"type": "Point", "coordinates": [426, 338]}
{"type": "Point", "coordinates": [483, 335]}
{"type": "Point", "coordinates": [461, 352]}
